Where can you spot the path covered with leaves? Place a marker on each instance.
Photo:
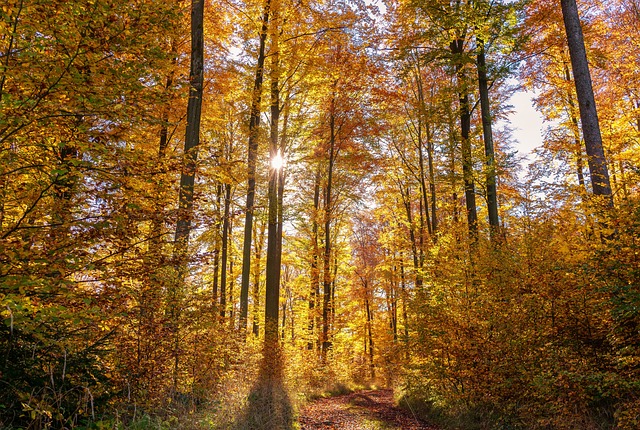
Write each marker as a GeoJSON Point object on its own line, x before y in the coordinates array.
{"type": "Point", "coordinates": [363, 410]}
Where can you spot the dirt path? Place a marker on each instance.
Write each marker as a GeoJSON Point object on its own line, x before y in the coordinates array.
{"type": "Point", "coordinates": [364, 410]}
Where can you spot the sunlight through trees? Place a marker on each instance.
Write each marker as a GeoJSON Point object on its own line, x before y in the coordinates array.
{"type": "Point", "coordinates": [213, 212]}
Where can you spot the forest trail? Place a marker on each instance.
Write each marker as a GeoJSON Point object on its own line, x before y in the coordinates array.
{"type": "Point", "coordinates": [362, 410]}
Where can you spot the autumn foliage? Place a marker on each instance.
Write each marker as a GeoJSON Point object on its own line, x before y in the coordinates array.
{"type": "Point", "coordinates": [408, 243]}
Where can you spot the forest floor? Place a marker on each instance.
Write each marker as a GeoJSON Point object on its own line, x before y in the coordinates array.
{"type": "Point", "coordinates": [362, 410]}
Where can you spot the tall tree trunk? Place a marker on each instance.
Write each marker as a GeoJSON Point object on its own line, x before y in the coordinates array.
{"type": "Point", "coordinates": [586, 102]}
{"type": "Point", "coordinates": [487, 134]}
{"type": "Point", "coordinates": [315, 261]}
{"type": "Point", "coordinates": [187, 178]}
{"type": "Point", "coordinates": [226, 227]}
{"type": "Point", "coordinates": [403, 288]}
{"type": "Point", "coordinates": [254, 123]}
{"type": "Point", "coordinates": [368, 325]}
{"type": "Point", "coordinates": [230, 290]}
{"type": "Point", "coordinates": [272, 285]}
{"type": "Point", "coordinates": [326, 302]}
{"type": "Point", "coordinates": [392, 297]}
{"type": "Point", "coordinates": [457, 47]}
{"type": "Point", "coordinates": [432, 181]}
{"type": "Point", "coordinates": [256, 279]}
{"type": "Point", "coordinates": [452, 168]}
{"type": "Point", "coordinates": [575, 127]}
{"type": "Point", "coordinates": [192, 135]}
{"type": "Point", "coordinates": [217, 245]}
{"type": "Point", "coordinates": [422, 120]}
{"type": "Point", "coordinates": [406, 197]}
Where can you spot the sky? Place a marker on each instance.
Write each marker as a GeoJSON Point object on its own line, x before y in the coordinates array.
{"type": "Point", "coordinates": [526, 122]}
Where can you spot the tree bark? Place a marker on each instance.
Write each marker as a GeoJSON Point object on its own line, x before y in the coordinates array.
{"type": "Point", "coordinates": [254, 123]}
{"type": "Point", "coordinates": [487, 134]}
{"type": "Point", "coordinates": [192, 135]}
{"type": "Point", "coordinates": [326, 302]}
{"type": "Point", "coordinates": [406, 197]}
{"type": "Point", "coordinates": [225, 249]}
{"type": "Point", "coordinates": [256, 279]}
{"type": "Point", "coordinates": [369, 315]}
{"type": "Point", "coordinates": [315, 270]}
{"type": "Point", "coordinates": [272, 287]}
{"type": "Point", "coordinates": [187, 178]}
{"type": "Point", "coordinates": [457, 47]}
{"type": "Point", "coordinates": [586, 102]}
{"type": "Point", "coordinates": [575, 129]}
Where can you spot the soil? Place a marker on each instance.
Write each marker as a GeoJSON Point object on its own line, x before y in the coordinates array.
{"type": "Point", "coordinates": [363, 410]}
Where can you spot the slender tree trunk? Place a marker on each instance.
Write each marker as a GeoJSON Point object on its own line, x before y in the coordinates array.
{"type": "Point", "coordinates": [283, 325]}
{"type": "Point", "coordinates": [575, 128]}
{"type": "Point", "coordinates": [254, 123]}
{"type": "Point", "coordinates": [432, 182]}
{"type": "Point", "coordinates": [406, 197]}
{"type": "Point", "coordinates": [457, 47]}
{"type": "Point", "coordinates": [158, 218]}
{"type": "Point", "coordinates": [192, 135]}
{"type": "Point", "coordinates": [423, 120]}
{"type": "Point", "coordinates": [368, 325]}
{"type": "Point", "coordinates": [226, 227]}
{"type": "Point", "coordinates": [256, 279]}
{"type": "Point", "coordinates": [485, 108]}
{"type": "Point", "coordinates": [231, 300]}
{"type": "Point", "coordinates": [326, 302]}
{"type": "Point", "coordinates": [273, 247]}
{"type": "Point", "coordinates": [403, 287]}
{"type": "Point", "coordinates": [187, 178]}
{"type": "Point", "coordinates": [315, 270]}
{"type": "Point", "coordinates": [586, 102]}
{"type": "Point", "coordinates": [7, 54]}
{"type": "Point", "coordinates": [393, 304]}
{"type": "Point", "coordinates": [452, 168]}
{"type": "Point", "coordinates": [218, 245]}
{"type": "Point", "coordinates": [623, 180]}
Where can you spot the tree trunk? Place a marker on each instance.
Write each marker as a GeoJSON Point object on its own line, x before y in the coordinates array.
{"type": "Point", "coordinates": [230, 289]}
{"type": "Point", "coordinates": [326, 302]}
{"type": "Point", "coordinates": [254, 123]}
{"type": "Point", "coordinates": [369, 315]}
{"type": "Point", "coordinates": [403, 288]}
{"type": "Point", "coordinates": [457, 47]}
{"type": "Point", "coordinates": [423, 184]}
{"type": "Point", "coordinates": [192, 135]}
{"type": "Point", "coordinates": [225, 249]}
{"type": "Point", "coordinates": [315, 270]}
{"type": "Point", "coordinates": [256, 279]}
{"type": "Point", "coordinates": [272, 297]}
{"type": "Point", "coordinates": [432, 182]}
{"type": "Point", "coordinates": [406, 197]}
{"type": "Point", "coordinates": [586, 102]}
{"type": "Point", "coordinates": [218, 245]}
{"type": "Point", "coordinates": [187, 178]}
{"type": "Point", "coordinates": [575, 128]}
{"type": "Point", "coordinates": [485, 108]}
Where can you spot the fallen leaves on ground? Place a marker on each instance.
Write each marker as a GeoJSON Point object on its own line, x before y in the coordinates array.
{"type": "Point", "coordinates": [363, 410]}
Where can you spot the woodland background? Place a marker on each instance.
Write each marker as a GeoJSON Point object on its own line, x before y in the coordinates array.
{"type": "Point", "coordinates": [130, 296]}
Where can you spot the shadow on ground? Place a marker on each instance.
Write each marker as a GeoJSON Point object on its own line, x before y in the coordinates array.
{"type": "Point", "coordinates": [269, 406]}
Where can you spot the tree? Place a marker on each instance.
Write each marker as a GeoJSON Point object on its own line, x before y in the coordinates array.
{"type": "Point", "coordinates": [254, 123]}
{"type": "Point", "coordinates": [274, 228]}
{"type": "Point", "coordinates": [586, 102]}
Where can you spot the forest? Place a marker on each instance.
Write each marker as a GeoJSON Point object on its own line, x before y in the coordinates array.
{"type": "Point", "coordinates": [213, 212]}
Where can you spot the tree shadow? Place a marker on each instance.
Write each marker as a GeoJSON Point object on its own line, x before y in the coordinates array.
{"type": "Point", "coordinates": [269, 406]}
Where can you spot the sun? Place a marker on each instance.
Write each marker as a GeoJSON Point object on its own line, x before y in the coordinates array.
{"type": "Point", "coordinates": [277, 161]}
